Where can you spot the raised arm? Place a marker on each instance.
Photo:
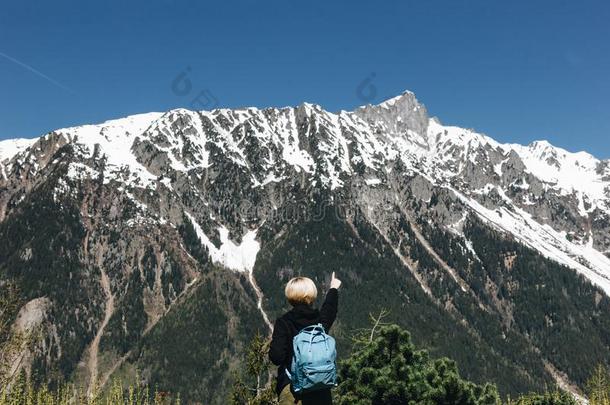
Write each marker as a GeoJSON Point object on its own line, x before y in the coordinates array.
{"type": "Point", "coordinates": [328, 312]}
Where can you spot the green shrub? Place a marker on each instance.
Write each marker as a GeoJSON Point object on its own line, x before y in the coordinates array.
{"type": "Point", "coordinates": [389, 370]}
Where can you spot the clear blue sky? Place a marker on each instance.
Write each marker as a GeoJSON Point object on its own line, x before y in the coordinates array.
{"type": "Point", "coordinates": [515, 70]}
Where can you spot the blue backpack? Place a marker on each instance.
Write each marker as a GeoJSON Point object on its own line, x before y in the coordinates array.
{"type": "Point", "coordinates": [314, 363]}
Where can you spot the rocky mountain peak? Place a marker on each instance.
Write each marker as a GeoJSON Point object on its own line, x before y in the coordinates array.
{"type": "Point", "coordinates": [398, 116]}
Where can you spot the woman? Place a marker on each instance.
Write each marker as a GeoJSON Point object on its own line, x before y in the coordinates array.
{"type": "Point", "coordinates": [301, 293]}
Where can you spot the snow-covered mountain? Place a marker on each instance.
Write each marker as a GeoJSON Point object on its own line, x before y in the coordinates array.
{"type": "Point", "coordinates": [242, 180]}
{"type": "Point", "coordinates": [520, 189]}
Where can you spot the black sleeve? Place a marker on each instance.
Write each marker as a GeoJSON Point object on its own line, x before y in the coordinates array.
{"type": "Point", "coordinates": [280, 343]}
{"type": "Point", "coordinates": [328, 312]}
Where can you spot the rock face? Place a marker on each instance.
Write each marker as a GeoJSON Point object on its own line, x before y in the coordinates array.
{"type": "Point", "coordinates": [145, 234]}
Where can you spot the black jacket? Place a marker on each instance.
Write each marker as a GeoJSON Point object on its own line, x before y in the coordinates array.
{"type": "Point", "coordinates": [290, 324]}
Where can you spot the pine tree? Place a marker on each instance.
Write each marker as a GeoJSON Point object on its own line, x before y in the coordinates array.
{"type": "Point", "coordinates": [253, 385]}
{"type": "Point", "coordinates": [389, 370]}
{"type": "Point", "coordinates": [598, 386]}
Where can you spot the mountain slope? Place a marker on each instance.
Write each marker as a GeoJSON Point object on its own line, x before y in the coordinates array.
{"type": "Point", "coordinates": [131, 223]}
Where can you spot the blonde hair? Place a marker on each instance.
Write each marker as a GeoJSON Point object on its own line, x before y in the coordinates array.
{"type": "Point", "coordinates": [301, 290]}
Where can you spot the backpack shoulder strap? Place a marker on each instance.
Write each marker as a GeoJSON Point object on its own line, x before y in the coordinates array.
{"type": "Point", "coordinates": [312, 328]}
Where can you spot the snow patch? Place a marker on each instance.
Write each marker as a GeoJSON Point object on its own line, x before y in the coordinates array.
{"type": "Point", "coordinates": [231, 255]}
{"type": "Point", "coordinates": [11, 147]}
{"type": "Point", "coordinates": [115, 139]}
{"type": "Point", "coordinates": [544, 239]}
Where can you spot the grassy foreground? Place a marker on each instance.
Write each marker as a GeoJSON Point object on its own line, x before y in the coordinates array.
{"type": "Point", "coordinates": [22, 393]}
{"type": "Point", "coordinates": [385, 368]}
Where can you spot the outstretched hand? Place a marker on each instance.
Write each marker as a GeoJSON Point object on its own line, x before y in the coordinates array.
{"type": "Point", "coordinates": [334, 282]}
